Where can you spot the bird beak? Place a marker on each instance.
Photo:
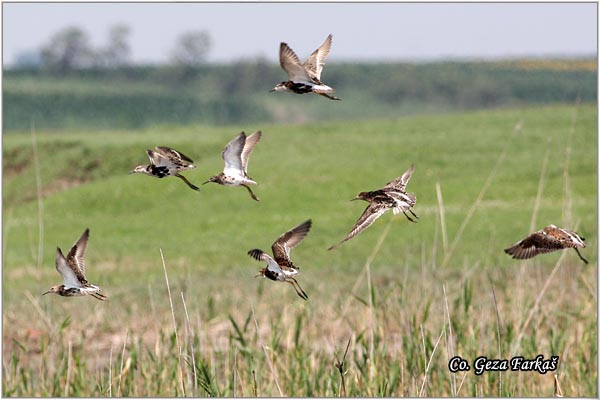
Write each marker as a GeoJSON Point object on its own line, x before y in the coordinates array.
{"type": "Point", "coordinates": [272, 90]}
{"type": "Point", "coordinates": [356, 198]}
{"type": "Point", "coordinates": [49, 291]}
{"type": "Point", "coordinates": [130, 172]}
{"type": "Point", "coordinates": [208, 181]}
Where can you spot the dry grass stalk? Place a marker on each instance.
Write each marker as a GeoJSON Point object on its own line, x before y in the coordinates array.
{"type": "Point", "coordinates": [110, 381]}
{"type": "Point", "coordinates": [180, 372]}
{"type": "Point", "coordinates": [122, 358]}
{"type": "Point", "coordinates": [191, 342]}
{"type": "Point", "coordinates": [38, 185]}
{"type": "Point", "coordinates": [37, 307]}
{"type": "Point", "coordinates": [69, 366]}
{"type": "Point", "coordinates": [535, 305]}
{"type": "Point", "coordinates": [450, 343]}
{"type": "Point", "coordinates": [273, 372]}
{"type": "Point", "coordinates": [540, 190]}
{"type": "Point", "coordinates": [340, 367]}
{"type": "Point", "coordinates": [568, 200]}
{"type": "Point", "coordinates": [440, 201]}
{"type": "Point", "coordinates": [557, 389]}
{"type": "Point", "coordinates": [482, 193]}
{"type": "Point", "coordinates": [497, 333]}
{"type": "Point", "coordinates": [429, 362]}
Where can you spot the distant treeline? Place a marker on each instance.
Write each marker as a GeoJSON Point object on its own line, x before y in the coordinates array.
{"type": "Point", "coordinates": [136, 97]}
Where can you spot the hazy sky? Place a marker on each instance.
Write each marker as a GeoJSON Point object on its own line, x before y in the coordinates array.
{"type": "Point", "coordinates": [382, 31]}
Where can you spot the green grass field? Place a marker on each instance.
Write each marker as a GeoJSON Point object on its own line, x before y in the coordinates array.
{"type": "Point", "coordinates": [407, 297]}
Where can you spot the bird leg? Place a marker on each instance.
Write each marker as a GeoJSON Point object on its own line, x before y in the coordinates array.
{"type": "Point", "coordinates": [329, 97]}
{"type": "Point", "coordinates": [409, 218]}
{"type": "Point", "coordinates": [580, 256]}
{"type": "Point", "coordinates": [414, 215]}
{"type": "Point", "coordinates": [183, 178]}
{"type": "Point", "coordinates": [98, 296]}
{"type": "Point", "coordinates": [297, 287]}
{"type": "Point", "coordinates": [251, 193]}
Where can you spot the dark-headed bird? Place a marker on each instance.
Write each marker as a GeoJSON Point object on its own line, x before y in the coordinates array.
{"type": "Point", "coordinates": [305, 77]}
{"type": "Point", "coordinates": [166, 161]}
{"type": "Point", "coordinates": [280, 267]}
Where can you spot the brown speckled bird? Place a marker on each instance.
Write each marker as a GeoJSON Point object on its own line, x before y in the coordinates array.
{"type": "Point", "coordinates": [392, 196]}
{"type": "Point", "coordinates": [549, 239]}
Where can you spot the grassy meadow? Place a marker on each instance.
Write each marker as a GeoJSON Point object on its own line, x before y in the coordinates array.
{"type": "Point", "coordinates": [401, 298]}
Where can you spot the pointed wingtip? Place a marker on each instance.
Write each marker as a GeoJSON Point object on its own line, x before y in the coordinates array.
{"type": "Point", "coordinates": [255, 253]}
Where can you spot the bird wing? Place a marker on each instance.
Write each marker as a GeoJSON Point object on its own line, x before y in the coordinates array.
{"type": "Point", "coordinates": [159, 160]}
{"type": "Point", "coordinates": [534, 244]}
{"type": "Point", "coordinates": [251, 141]}
{"type": "Point", "coordinates": [70, 279]}
{"type": "Point", "coordinates": [290, 63]}
{"type": "Point", "coordinates": [401, 182]}
{"type": "Point", "coordinates": [174, 155]}
{"type": "Point", "coordinates": [315, 62]}
{"type": "Point", "coordinates": [76, 255]}
{"type": "Point", "coordinates": [260, 255]}
{"type": "Point", "coordinates": [290, 239]}
{"type": "Point", "coordinates": [371, 213]}
{"type": "Point", "coordinates": [232, 155]}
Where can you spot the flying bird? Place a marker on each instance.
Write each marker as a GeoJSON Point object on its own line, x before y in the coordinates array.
{"type": "Point", "coordinates": [304, 77]}
{"type": "Point", "coordinates": [551, 238]}
{"type": "Point", "coordinates": [72, 270]}
{"type": "Point", "coordinates": [166, 161]}
{"type": "Point", "coordinates": [236, 155]}
{"type": "Point", "coordinates": [280, 267]}
{"type": "Point", "coordinates": [392, 196]}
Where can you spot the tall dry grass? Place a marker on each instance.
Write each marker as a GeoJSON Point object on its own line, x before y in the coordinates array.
{"type": "Point", "coordinates": [400, 341]}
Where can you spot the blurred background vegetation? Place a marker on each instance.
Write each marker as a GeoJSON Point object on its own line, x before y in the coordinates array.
{"type": "Point", "coordinates": [70, 84]}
